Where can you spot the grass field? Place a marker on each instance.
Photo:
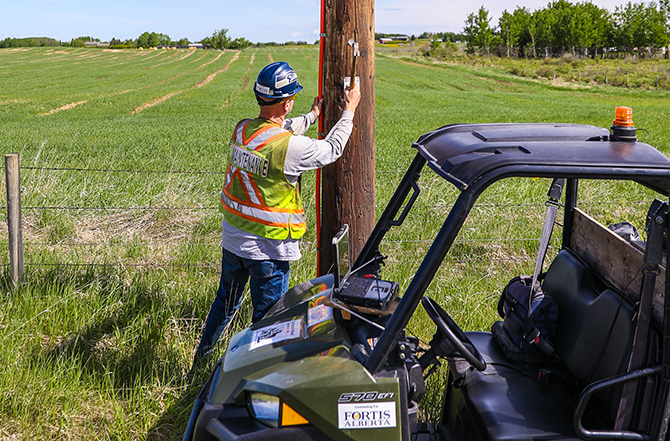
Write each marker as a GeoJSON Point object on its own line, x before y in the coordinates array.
{"type": "Point", "coordinates": [122, 154]}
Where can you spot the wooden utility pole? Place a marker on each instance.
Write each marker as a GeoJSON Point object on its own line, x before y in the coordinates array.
{"type": "Point", "coordinates": [348, 185]}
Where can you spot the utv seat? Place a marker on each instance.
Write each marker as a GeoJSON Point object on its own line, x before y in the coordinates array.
{"type": "Point", "coordinates": [507, 401]}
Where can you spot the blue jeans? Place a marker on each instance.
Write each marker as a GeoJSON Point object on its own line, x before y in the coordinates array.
{"type": "Point", "coordinates": [269, 281]}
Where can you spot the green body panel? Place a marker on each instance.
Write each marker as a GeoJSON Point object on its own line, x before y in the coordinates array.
{"type": "Point", "coordinates": [313, 373]}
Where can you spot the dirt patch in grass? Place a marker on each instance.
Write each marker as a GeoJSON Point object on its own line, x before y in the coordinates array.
{"type": "Point", "coordinates": [152, 226]}
{"type": "Point", "coordinates": [211, 76]}
{"type": "Point", "coordinates": [156, 101]}
{"type": "Point", "coordinates": [204, 54]}
{"type": "Point", "coordinates": [65, 107]}
{"type": "Point", "coordinates": [14, 101]}
{"type": "Point", "coordinates": [225, 68]}
{"type": "Point", "coordinates": [569, 84]}
{"type": "Point", "coordinates": [191, 52]}
{"type": "Point", "coordinates": [151, 237]}
{"type": "Point", "coordinates": [10, 432]}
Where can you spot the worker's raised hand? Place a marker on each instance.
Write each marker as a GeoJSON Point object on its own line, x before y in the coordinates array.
{"type": "Point", "coordinates": [352, 97]}
{"type": "Point", "coordinates": [317, 106]}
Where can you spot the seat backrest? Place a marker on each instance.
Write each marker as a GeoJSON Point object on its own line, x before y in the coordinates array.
{"type": "Point", "coordinates": [595, 325]}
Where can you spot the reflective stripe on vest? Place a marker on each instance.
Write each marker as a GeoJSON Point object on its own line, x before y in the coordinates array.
{"type": "Point", "coordinates": [256, 195]}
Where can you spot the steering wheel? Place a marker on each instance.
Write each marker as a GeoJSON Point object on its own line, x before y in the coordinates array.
{"type": "Point", "coordinates": [454, 333]}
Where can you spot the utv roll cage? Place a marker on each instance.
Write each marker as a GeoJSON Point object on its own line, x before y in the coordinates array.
{"type": "Point", "coordinates": [474, 156]}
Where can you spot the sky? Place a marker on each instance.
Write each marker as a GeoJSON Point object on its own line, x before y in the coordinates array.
{"type": "Point", "coordinates": [255, 20]}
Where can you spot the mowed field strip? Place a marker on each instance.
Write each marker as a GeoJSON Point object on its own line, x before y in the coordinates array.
{"type": "Point", "coordinates": [162, 74]}
{"type": "Point", "coordinates": [204, 82]}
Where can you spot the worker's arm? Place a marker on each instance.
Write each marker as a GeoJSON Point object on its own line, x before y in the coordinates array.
{"type": "Point", "coordinates": [305, 153]}
{"type": "Point", "coordinates": [300, 124]}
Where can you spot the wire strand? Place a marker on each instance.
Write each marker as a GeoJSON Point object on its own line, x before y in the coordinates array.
{"type": "Point", "coordinates": [433, 207]}
{"type": "Point", "coordinates": [110, 170]}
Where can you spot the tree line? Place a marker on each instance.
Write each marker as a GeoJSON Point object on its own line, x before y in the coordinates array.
{"type": "Point", "coordinates": [218, 40]}
{"type": "Point", "coordinates": [582, 29]}
{"type": "Point", "coordinates": [29, 42]}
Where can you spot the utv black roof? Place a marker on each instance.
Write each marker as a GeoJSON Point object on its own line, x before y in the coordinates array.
{"type": "Point", "coordinates": [462, 153]}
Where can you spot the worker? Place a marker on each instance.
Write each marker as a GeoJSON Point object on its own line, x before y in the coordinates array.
{"type": "Point", "coordinates": [264, 218]}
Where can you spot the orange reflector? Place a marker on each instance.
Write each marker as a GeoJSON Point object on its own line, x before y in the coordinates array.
{"type": "Point", "coordinates": [290, 417]}
{"type": "Point", "coordinates": [624, 117]}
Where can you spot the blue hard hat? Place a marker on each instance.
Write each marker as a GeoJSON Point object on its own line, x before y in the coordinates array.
{"type": "Point", "coordinates": [277, 80]}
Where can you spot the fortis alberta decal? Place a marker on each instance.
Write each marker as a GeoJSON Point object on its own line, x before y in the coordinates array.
{"type": "Point", "coordinates": [366, 415]}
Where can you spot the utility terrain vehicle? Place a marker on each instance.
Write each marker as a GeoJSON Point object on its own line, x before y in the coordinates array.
{"type": "Point", "coordinates": [327, 365]}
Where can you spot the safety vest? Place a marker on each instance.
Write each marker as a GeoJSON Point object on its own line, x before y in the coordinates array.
{"type": "Point", "coordinates": [257, 197]}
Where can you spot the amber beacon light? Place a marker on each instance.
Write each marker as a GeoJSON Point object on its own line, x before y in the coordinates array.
{"type": "Point", "coordinates": [622, 128]}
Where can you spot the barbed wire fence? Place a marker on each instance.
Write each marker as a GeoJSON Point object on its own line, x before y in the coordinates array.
{"type": "Point", "coordinates": [215, 264]}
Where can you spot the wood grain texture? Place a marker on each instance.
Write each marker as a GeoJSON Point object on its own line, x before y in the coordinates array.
{"type": "Point", "coordinates": [615, 260]}
{"type": "Point", "coordinates": [348, 185]}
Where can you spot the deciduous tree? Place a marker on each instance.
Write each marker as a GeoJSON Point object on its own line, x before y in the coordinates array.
{"type": "Point", "coordinates": [218, 40]}
{"type": "Point", "coordinates": [478, 33]}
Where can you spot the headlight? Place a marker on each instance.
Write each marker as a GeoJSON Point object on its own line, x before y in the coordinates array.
{"type": "Point", "coordinates": [264, 408]}
{"type": "Point", "coordinates": [270, 411]}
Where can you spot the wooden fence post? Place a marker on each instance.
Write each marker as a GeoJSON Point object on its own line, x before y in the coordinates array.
{"type": "Point", "coordinates": [13, 184]}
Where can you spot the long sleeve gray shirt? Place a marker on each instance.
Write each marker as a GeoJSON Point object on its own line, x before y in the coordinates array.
{"type": "Point", "coordinates": [303, 153]}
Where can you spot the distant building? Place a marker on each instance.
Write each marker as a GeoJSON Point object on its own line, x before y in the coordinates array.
{"type": "Point", "coordinates": [385, 40]}
{"type": "Point", "coordinates": [95, 44]}
{"type": "Point", "coordinates": [401, 38]}
{"type": "Point", "coordinates": [182, 46]}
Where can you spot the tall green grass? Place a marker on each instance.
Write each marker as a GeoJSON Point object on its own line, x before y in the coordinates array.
{"type": "Point", "coordinates": [97, 341]}
{"type": "Point", "coordinates": [569, 69]}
